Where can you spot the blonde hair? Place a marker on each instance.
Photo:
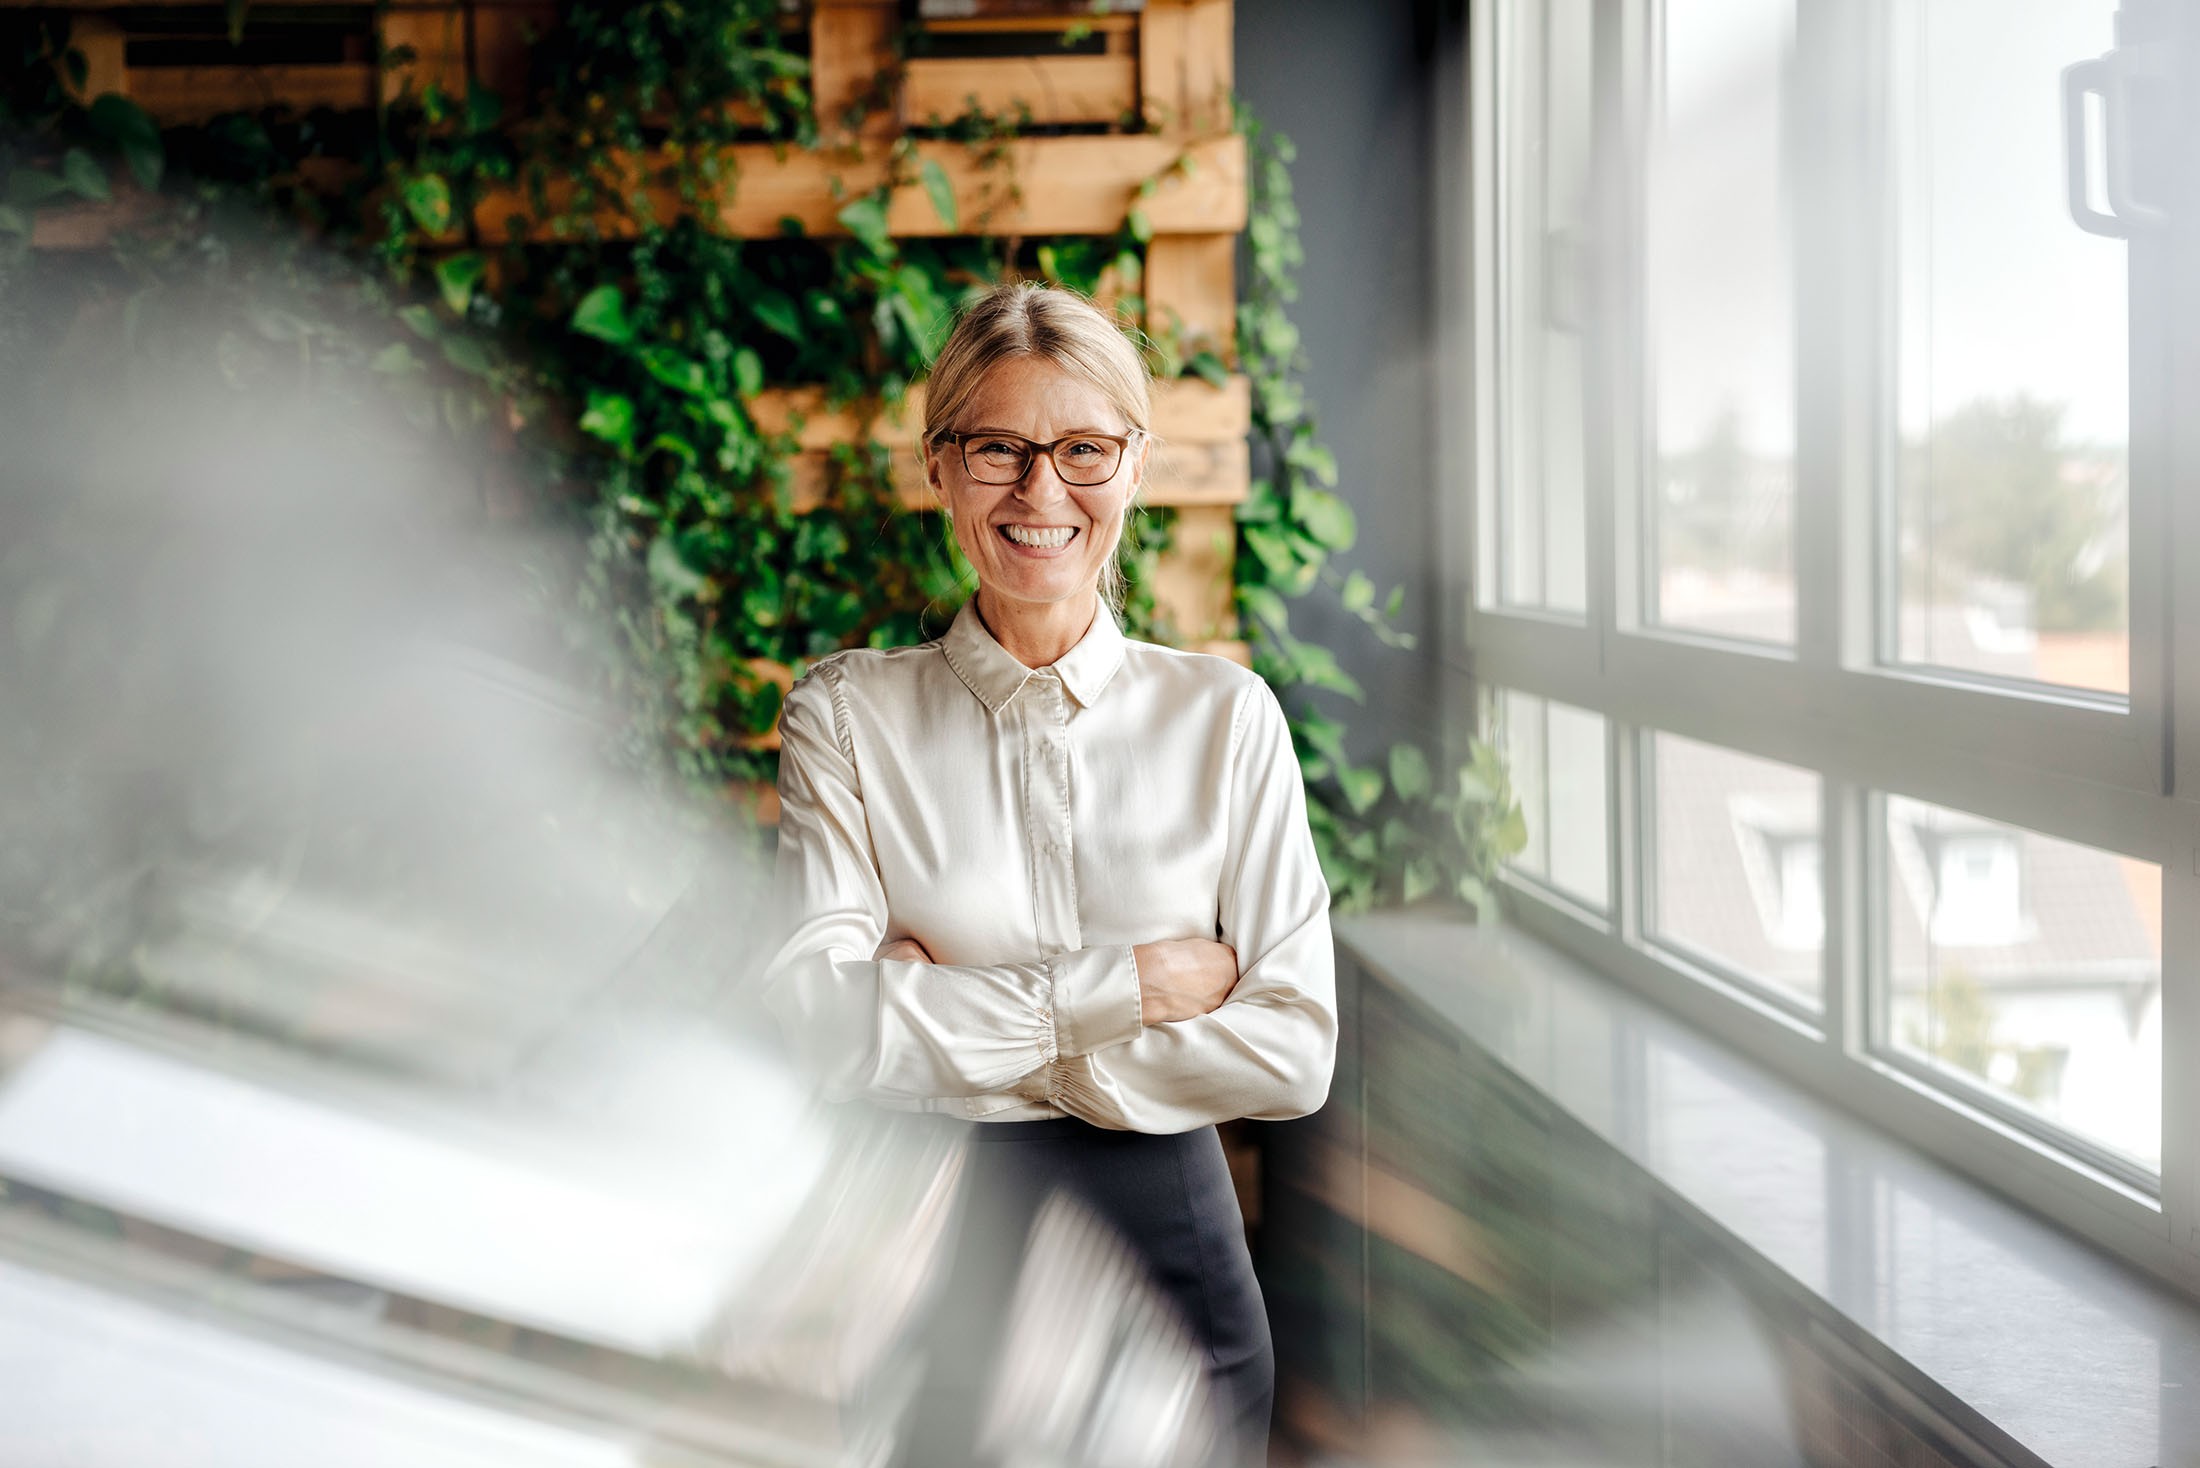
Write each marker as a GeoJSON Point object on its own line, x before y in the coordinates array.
{"type": "Point", "coordinates": [1030, 318]}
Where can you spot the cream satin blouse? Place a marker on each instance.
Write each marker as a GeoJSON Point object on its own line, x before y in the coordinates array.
{"type": "Point", "coordinates": [1028, 827]}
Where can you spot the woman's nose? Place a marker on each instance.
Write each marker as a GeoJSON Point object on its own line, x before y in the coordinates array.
{"type": "Point", "coordinates": [1042, 483]}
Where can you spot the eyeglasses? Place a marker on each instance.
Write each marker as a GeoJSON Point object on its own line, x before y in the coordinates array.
{"type": "Point", "coordinates": [1082, 459]}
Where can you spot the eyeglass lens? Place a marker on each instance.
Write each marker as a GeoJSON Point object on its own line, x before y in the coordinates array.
{"type": "Point", "coordinates": [1003, 460]}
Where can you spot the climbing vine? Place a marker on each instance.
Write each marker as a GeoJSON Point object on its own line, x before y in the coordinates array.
{"type": "Point", "coordinates": [612, 375]}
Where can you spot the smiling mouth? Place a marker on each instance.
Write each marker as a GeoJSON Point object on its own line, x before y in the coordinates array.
{"type": "Point", "coordinates": [1032, 537]}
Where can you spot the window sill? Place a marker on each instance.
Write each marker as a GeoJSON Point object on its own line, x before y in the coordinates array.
{"type": "Point", "coordinates": [1995, 1317]}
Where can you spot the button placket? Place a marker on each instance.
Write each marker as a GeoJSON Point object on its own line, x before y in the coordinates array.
{"type": "Point", "coordinates": [1046, 751]}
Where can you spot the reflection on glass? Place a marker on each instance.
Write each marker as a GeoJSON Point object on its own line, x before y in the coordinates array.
{"type": "Point", "coordinates": [1737, 876]}
{"type": "Point", "coordinates": [1721, 322]}
{"type": "Point", "coordinates": [1543, 175]}
{"type": "Point", "coordinates": [2011, 469]}
{"type": "Point", "coordinates": [2031, 966]}
{"type": "Point", "coordinates": [1555, 754]}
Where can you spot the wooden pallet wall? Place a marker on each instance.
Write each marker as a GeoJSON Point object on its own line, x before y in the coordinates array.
{"type": "Point", "coordinates": [1137, 90]}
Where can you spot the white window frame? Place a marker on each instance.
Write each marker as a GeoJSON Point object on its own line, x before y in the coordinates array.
{"type": "Point", "coordinates": [2100, 770]}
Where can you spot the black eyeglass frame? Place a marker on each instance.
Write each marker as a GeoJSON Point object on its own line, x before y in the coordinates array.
{"type": "Point", "coordinates": [1122, 442]}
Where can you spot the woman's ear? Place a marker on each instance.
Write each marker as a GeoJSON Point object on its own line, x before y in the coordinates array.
{"type": "Point", "coordinates": [933, 460]}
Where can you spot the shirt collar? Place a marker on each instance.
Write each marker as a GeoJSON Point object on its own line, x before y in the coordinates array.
{"type": "Point", "coordinates": [992, 672]}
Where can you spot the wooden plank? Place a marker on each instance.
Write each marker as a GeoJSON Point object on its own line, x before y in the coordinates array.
{"type": "Point", "coordinates": [1056, 89]}
{"type": "Point", "coordinates": [1192, 411]}
{"type": "Point", "coordinates": [102, 41]}
{"type": "Point", "coordinates": [1193, 582]}
{"type": "Point", "coordinates": [1185, 71]}
{"type": "Point", "coordinates": [852, 57]}
{"type": "Point", "coordinates": [91, 226]}
{"type": "Point", "coordinates": [503, 37]}
{"type": "Point", "coordinates": [756, 799]}
{"type": "Point", "coordinates": [194, 93]}
{"type": "Point", "coordinates": [1109, 26]}
{"type": "Point", "coordinates": [437, 38]}
{"type": "Point", "coordinates": [1237, 652]}
{"type": "Point", "coordinates": [1074, 185]}
{"type": "Point", "coordinates": [1191, 288]}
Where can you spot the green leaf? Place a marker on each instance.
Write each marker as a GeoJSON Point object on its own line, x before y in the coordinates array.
{"type": "Point", "coordinates": [1409, 772]}
{"type": "Point", "coordinates": [602, 315]}
{"type": "Point", "coordinates": [1325, 517]}
{"type": "Point", "coordinates": [748, 373]}
{"type": "Point", "coordinates": [1317, 667]}
{"type": "Point", "coordinates": [1511, 836]}
{"type": "Point", "coordinates": [127, 125]}
{"type": "Point", "coordinates": [484, 108]}
{"type": "Point", "coordinates": [420, 320]}
{"type": "Point", "coordinates": [683, 374]}
{"type": "Point", "coordinates": [457, 275]}
{"type": "Point", "coordinates": [1358, 594]}
{"type": "Point", "coordinates": [1264, 604]}
{"type": "Point", "coordinates": [942, 192]}
{"type": "Point", "coordinates": [466, 354]}
{"type": "Point", "coordinates": [1141, 226]}
{"type": "Point", "coordinates": [866, 220]}
{"type": "Point", "coordinates": [673, 444]}
{"type": "Point", "coordinates": [234, 11]}
{"type": "Point", "coordinates": [1420, 878]}
{"type": "Point", "coordinates": [30, 187]}
{"type": "Point", "coordinates": [14, 221]}
{"type": "Point", "coordinates": [83, 175]}
{"type": "Point", "coordinates": [1362, 787]}
{"type": "Point", "coordinates": [396, 360]}
{"type": "Point", "coordinates": [610, 417]}
{"type": "Point", "coordinates": [1208, 366]}
{"type": "Point", "coordinates": [779, 313]}
{"type": "Point", "coordinates": [427, 199]}
{"type": "Point", "coordinates": [670, 574]}
{"type": "Point", "coordinates": [1473, 788]}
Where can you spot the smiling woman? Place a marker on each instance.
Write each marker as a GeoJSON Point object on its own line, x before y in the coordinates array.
{"type": "Point", "coordinates": [1043, 876]}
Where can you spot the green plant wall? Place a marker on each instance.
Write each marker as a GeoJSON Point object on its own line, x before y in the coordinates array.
{"type": "Point", "coordinates": [606, 378]}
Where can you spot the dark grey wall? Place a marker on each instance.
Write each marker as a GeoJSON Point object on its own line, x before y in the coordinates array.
{"type": "Point", "coordinates": [1350, 83]}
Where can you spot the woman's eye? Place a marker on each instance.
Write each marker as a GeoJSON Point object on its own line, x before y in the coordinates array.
{"type": "Point", "coordinates": [1001, 448]}
{"type": "Point", "coordinates": [1085, 450]}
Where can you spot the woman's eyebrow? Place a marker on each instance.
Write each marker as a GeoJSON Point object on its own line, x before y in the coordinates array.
{"type": "Point", "coordinates": [1073, 433]}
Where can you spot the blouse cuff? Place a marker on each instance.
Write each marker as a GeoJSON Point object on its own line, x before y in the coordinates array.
{"type": "Point", "coordinates": [1096, 998]}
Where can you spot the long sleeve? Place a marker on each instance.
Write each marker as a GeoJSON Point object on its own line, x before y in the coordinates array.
{"type": "Point", "coordinates": [897, 1030]}
{"type": "Point", "coordinates": [1267, 1053]}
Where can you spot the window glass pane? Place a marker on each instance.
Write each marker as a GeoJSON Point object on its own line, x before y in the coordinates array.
{"type": "Point", "coordinates": [1543, 172]}
{"type": "Point", "coordinates": [1736, 876]}
{"type": "Point", "coordinates": [2028, 965]}
{"type": "Point", "coordinates": [1721, 322]}
{"type": "Point", "coordinates": [1555, 754]}
{"type": "Point", "coordinates": [2011, 469]}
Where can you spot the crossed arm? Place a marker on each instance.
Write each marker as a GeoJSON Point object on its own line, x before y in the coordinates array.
{"type": "Point", "coordinates": [1162, 1036]}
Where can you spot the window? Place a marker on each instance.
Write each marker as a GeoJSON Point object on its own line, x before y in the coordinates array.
{"type": "Point", "coordinates": [1556, 754]}
{"type": "Point", "coordinates": [1734, 883]}
{"type": "Point", "coordinates": [1537, 529]}
{"type": "Point", "coordinates": [1720, 282]}
{"type": "Point", "coordinates": [1871, 368]}
{"type": "Point", "coordinates": [2029, 968]}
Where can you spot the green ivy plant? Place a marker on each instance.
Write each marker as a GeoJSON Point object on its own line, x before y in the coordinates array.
{"type": "Point", "coordinates": [615, 372]}
{"type": "Point", "coordinates": [1386, 833]}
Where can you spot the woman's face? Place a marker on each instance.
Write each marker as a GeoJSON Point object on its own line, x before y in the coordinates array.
{"type": "Point", "coordinates": [995, 524]}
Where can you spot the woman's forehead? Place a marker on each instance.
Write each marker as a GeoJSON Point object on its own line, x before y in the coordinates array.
{"type": "Point", "coordinates": [1032, 387]}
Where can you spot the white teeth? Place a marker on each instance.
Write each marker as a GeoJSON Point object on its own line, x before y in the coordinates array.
{"type": "Point", "coordinates": [1052, 538]}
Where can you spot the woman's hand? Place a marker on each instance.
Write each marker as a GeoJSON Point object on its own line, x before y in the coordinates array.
{"type": "Point", "coordinates": [1183, 977]}
{"type": "Point", "coordinates": [902, 948]}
